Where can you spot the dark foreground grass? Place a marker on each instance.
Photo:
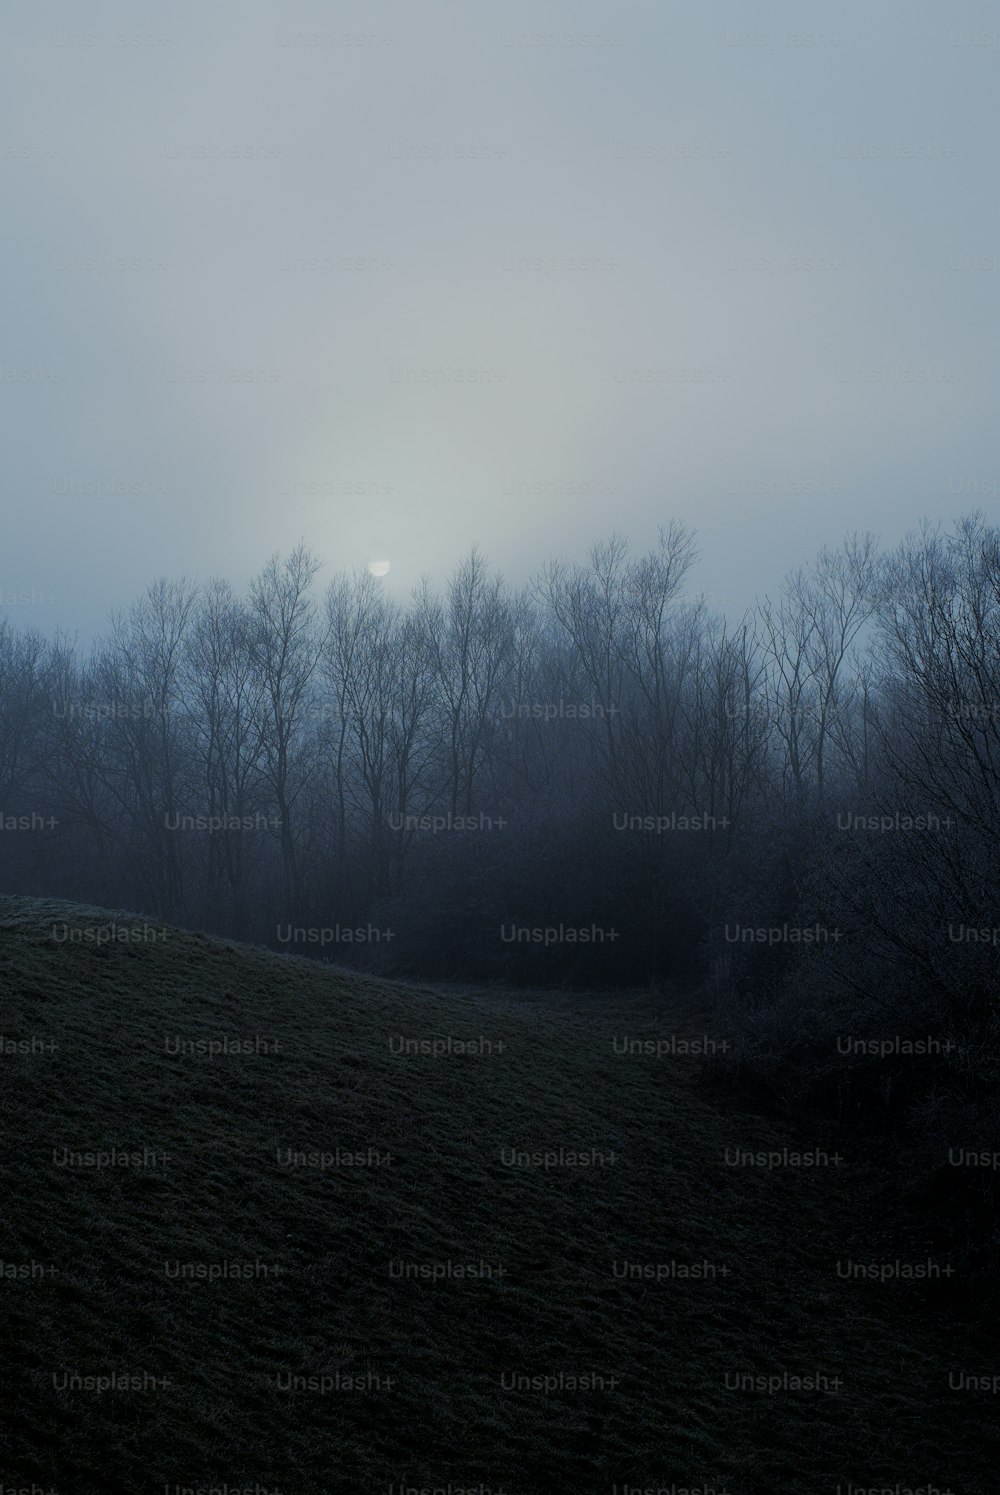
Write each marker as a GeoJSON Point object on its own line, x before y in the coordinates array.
{"type": "Point", "coordinates": [424, 1397]}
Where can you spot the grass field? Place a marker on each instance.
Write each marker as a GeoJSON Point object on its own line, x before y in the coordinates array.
{"type": "Point", "coordinates": [362, 1358]}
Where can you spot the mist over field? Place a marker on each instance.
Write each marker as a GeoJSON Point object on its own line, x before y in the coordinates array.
{"type": "Point", "coordinates": [499, 749]}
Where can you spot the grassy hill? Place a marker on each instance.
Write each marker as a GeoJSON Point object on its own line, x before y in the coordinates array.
{"type": "Point", "coordinates": [152, 1267]}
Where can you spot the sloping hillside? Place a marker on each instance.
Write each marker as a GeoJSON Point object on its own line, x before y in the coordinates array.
{"type": "Point", "coordinates": [304, 1321]}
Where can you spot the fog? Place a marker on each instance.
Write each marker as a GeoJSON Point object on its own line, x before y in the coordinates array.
{"type": "Point", "coordinates": [392, 281]}
{"type": "Point", "coordinates": [499, 748]}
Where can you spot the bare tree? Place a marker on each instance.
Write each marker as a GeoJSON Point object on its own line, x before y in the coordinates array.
{"type": "Point", "coordinates": [285, 645]}
{"type": "Point", "coordinates": [140, 679]}
{"type": "Point", "coordinates": [470, 638]}
{"type": "Point", "coordinates": [226, 696]}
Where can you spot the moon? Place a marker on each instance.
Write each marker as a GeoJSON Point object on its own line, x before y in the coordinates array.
{"type": "Point", "coordinates": [378, 568]}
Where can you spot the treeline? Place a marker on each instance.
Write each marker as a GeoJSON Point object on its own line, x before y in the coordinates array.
{"type": "Point", "coordinates": [597, 752]}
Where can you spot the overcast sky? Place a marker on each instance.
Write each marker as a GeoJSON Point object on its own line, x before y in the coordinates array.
{"type": "Point", "coordinates": [659, 242]}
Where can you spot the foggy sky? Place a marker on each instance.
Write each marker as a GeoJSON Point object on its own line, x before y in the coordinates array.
{"type": "Point", "coordinates": [598, 212]}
